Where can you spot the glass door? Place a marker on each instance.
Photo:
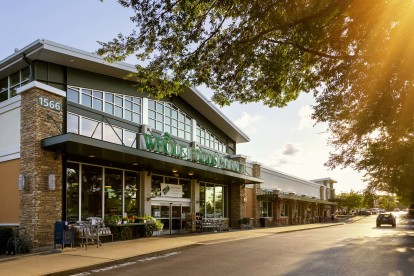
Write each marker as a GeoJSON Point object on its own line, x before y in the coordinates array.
{"type": "Point", "coordinates": [174, 216]}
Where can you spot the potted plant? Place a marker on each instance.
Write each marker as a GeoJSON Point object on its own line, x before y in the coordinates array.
{"type": "Point", "coordinates": [158, 226]}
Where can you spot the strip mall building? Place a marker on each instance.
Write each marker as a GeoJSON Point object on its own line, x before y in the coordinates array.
{"type": "Point", "coordinates": [78, 141]}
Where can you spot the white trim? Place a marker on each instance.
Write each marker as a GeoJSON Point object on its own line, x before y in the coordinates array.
{"type": "Point", "coordinates": [10, 154]}
{"type": "Point", "coordinates": [36, 84]}
{"type": "Point", "coordinates": [194, 130]}
{"type": "Point", "coordinates": [19, 53]}
{"type": "Point", "coordinates": [330, 180]}
{"type": "Point", "coordinates": [10, 157]}
{"type": "Point", "coordinates": [215, 109]}
{"type": "Point", "coordinates": [10, 224]}
{"type": "Point", "coordinates": [60, 54]}
{"type": "Point", "coordinates": [74, 52]}
{"type": "Point", "coordinates": [276, 173]}
{"type": "Point", "coordinates": [144, 106]}
{"type": "Point", "coordinates": [10, 104]}
{"type": "Point", "coordinates": [238, 156]}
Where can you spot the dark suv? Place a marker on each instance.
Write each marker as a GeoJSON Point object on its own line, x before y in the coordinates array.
{"type": "Point", "coordinates": [386, 219]}
{"type": "Point", "coordinates": [410, 214]}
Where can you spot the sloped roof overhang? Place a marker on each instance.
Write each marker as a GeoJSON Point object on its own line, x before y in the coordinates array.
{"type": "Point", "coordinates": [53, 52]}
{"type": "Point", "coordinates": [86, 149]}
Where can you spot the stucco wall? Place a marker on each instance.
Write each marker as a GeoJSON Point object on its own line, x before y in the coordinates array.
{"type": "Point", "coordinates": [9, 196]}
{"type": "Point", "coordinates": [286, 183]}
{"type": "Point", "coordinates": [10, 129]}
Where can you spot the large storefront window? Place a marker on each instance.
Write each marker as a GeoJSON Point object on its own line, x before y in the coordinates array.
{"type": "Point", "coordinates": [207, 139]}
{"type": "Point", "coordinates": [166, 117]}
{"type": "Point", "coordinates": [266, 210]}
{"type": "Point", "coordinates": [202, 198]}
{"type": "Point", "coordinates": [123, 106]}
{"type": "Point", "coordinates": [209, 201]}
{"type": "Point", "coordinates": [284, 210]}
{"type": "Point", "coordinates": [98, 130]}
{"type": "Point", "coordinates": [84, 184]}
{"type": "Point", "coordinates": [91, 197]}
{"type": "Point", "coordinates": [212, 200]}
{"type": "Point", "coordinates": [9, 84]}
{"type": "Point", "coordinates": [218, 198]}
{"type": "Point", "coordinates": [72, 192]}
{"type": "Point", "coordinates": [186, 186]}
{"type": "Point", "coordinates": [131, 193]}
{"type": "Point", "coordinates": [156, 181]}
{"type": "Point", "coordinates": [113, 192]}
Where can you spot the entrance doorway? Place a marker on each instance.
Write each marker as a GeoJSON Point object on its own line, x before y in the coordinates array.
{"type": "Point", "coordinates": [173, 215]}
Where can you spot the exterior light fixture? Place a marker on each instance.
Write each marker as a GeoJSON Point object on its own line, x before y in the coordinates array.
{"type": "Point", "coordinates": [190, 173]}
{"type": "Point", "coordinates": [91, 156]}
{"type": "Point", "coordinates": [52, 182]}
{"type": "Point", "coordinates": [22, 182]}
{"type": "Point", "coordinates": [174, 170]}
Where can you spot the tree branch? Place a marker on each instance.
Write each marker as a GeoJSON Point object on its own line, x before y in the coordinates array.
{"type": "Point", "coordinates": [314, 52]}
{"type": "Point", "coordinates": [303, 20]}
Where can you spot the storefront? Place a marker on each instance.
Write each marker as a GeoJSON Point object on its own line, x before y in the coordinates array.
{"type": "Point", "coordinates": [88, 145]}
{"type": "Point", "coordinates": [288, 200]}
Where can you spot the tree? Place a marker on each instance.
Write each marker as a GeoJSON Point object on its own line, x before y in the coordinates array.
{"type": "Point", "coordinates": [351, 200]}
{"type": "Point", "coordinates": [369, 198]}
{"type": "Point", "coordinates": [386, 202]}
{"type": "Point", "coordinates": [354, 55]}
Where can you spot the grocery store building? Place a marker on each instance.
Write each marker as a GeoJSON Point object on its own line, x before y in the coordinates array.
{"type": "Point", "coordinates": [78, 141]}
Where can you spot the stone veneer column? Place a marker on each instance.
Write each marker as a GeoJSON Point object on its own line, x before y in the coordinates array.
{"type": "Point", "coordinates": [39, 206]}
{"type": "Point", "coordinates": [256, 191]}
{"type": "Point", "coordinates": [237, 197]}
{"type": "Point", "coordinates": [238, 206]}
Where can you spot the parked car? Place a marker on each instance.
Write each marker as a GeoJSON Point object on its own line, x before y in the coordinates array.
{"type": "Point", "coordinates": [364, 213]}
{"type": "Point", "coordinates": [386, 218]}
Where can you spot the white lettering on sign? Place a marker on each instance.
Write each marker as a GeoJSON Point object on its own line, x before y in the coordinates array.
{"type": "Point", "coordinates": [45, 102]}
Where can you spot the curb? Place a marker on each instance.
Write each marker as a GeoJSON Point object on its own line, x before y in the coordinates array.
{"type": "Point", "coordinates": [166, 251]}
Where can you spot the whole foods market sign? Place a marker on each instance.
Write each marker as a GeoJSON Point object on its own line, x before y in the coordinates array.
{"type": "Point", "coordinates": [165, 144]}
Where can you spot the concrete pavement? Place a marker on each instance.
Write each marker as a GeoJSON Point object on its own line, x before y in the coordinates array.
{"type": "Point", "coordinates": [72, 260]}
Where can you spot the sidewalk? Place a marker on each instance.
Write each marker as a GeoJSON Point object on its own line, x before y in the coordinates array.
{"type": "Point", "coordinates": [72, 260]}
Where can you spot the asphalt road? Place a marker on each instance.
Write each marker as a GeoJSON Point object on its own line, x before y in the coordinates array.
{"type": "Point", "coordinates": [359, 249]}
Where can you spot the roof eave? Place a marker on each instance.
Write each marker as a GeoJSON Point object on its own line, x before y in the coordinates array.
{"type": "Point", "coordinates": [53, 52]}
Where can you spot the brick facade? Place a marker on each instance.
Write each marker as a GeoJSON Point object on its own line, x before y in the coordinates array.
{"type": "Point", "coordinates": [256, 191]}
{"type": "Point", "coordinates": [238, 197]}
{"type": "Point", "coordinates": [39, 206]}
{"type": "Point", "coordinates": [238, 205]}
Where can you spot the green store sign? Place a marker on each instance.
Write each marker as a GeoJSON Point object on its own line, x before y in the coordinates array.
{"type": "Point", "coordinates": [165, 144]}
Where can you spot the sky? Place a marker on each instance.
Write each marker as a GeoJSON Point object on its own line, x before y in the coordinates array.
{"type": "Point", "coordinates": [284, 139]}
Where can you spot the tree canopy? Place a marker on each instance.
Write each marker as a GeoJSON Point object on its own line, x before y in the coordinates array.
{"type": "Point", "coordinates": [351, 201]}
{"type": "Point", "coordinates": [355, 56]}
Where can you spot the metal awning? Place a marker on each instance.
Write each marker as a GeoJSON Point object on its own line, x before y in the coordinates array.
{"type": "Point", "coordinates": [89, 150]}
{"type": "Point", "coordinates": [305, 199]}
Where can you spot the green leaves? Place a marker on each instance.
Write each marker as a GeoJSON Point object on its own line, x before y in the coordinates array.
{"type": "Point", "coordinates": [244, 50]}
{"type": "Point", "coordinates": [354, 55]}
